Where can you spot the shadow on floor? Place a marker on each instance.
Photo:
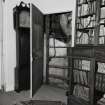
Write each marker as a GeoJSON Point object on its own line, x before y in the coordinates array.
{"type": "Point", "coordinates": [44, 93]}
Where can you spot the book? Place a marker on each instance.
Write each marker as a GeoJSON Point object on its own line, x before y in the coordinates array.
{"type": "Point", "coordinates": [98, 82]}
{"type": "Point", "coordinates": [103, 83]}
{"type": "Point", "coordinates": [81, 92]}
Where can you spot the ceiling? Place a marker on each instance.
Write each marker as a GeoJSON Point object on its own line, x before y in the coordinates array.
{"type": "Point", "coordinates": [54, 6]}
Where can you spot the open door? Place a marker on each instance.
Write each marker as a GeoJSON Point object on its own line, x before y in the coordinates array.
{"type": "Point", "coordinates": [36, 48]}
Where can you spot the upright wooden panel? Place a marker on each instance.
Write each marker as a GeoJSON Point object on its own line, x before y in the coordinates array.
{"type": "Point", "coordinates": [47, 30]}
{"type": "Point", "coordinates": [37, 44]}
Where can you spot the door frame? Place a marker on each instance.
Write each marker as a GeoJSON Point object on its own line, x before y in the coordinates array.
{"type": "Point", "coordinates": [45, 58]}
{"type": "Point", "coordinates": [47, 31]}
{"type": "Point", "coordinates": [30, 51]}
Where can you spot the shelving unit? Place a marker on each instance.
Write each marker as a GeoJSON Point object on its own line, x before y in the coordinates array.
{"type": "Point", "coordinates": [87, 57]}
{"type": "Point", "coordinates": [53, 30]}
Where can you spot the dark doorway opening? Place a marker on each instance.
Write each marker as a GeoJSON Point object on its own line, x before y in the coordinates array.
{"type": "Point", "coordinates": [24, 55]}
{"type": "Point", "coordinates": [22, 73]}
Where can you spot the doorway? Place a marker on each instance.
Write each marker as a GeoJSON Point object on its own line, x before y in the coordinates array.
{"type": "Point", "coordinates": [30, 44]}
{"type": "Point", "coordinates": [52, 27]}
{"type": "Point", "coordinates": [24, 69]}
{"type": "Point", "coordinates": [22, 73]}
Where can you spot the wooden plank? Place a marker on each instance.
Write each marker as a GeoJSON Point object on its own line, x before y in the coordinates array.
{"type": "Point", "coordinates": [97, 29]}
{"type": "Point", "coordinates": [92, 82]}
{"type": "Point", "coordinates": [82, 51]}
{"type": "Point", "coordinates": [36, 42]}
{"type": "Point", "coordinates": [47, 31]}
{"type": "Point", "coordinates": [59, 66]}
{"type": "Point", "coordinates": [57, 77]}
{"type": "Point", "coordinates": [59, 56]}
{"type": "Point", "coordinates": [70, 77]}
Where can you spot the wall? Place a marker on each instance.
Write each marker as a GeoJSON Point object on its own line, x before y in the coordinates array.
{"type": "Point", "coordinates": [9, 45]}
{"type": "Point", "coordinates": [0, 40]}
{"type": "Point", "coordinates": [9, 42]}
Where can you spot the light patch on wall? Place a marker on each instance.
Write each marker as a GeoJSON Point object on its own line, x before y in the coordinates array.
{"type": "Point", "coordinates": [1, 35]}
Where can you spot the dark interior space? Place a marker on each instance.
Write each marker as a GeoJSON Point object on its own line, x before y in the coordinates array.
{"type": "Point", "coordinates": [57, 28]}
{"type": "Point", "coordinates": [24, 59]}
{"type": "Point", "coordinates": [21, 16]}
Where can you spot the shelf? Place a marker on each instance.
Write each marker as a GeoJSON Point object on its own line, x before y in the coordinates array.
{"type": "Point", "coordinates": [86, 16]}
{"type": "Point", "coordinates": [102, 24]}
{"type": "Point", "coordinates": [102, 5]}
{"type": "Point", "coordinates": [88, 28]}
{"type": "Point", "coordinates": [81, 70]}
{"type": "Point", "coordinates": [81, 84]}
{"type": "Point", "coordinates": [58, 85]}
{"type": "Point", "coordinates": [58, 66]}
{"type": "Point", "coordinates": [89, 78]}
{"type": "Point", "coordinates": [59, 47]}
{"type": "Point", "coordinates": [85, 30]}
{"type": "Point", "coordinates": [57, 77]}
{"type": "Point", "coordinates": [59, 57]}
{"type": "Point", "coordinates": [85, 2]}
{"type": "Point", "coordinates": [58, 37]}
{"type": "Point", "coordinates": [24, 28]}
{"type": "Point", "coordinates": [102, 36]}
{"type": "Point", "coordinates": [102, 18]}
{"type": "Point", "coordinates": [81, 58]}
{"type": "Point", "coordinates": [100, 73]}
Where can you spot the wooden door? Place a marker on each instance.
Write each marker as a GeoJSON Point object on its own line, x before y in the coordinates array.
{"type": "Point", "coordinates": [37, 44]}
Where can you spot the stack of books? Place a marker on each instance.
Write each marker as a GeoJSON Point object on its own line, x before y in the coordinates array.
{"type": "Point", "coordinates": [81, 92]}
{"type": "Point", "coordinates": [81, 77]}
{"type": "Point", "coordinates": [86, 7]}
{"type": "Point", "coordinates": [100, 77]}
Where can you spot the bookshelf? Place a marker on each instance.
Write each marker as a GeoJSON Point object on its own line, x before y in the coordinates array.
{"type": "Point", "coordinates": [55, 32]}
{"type": "Point", "coordinates": [87, 57]}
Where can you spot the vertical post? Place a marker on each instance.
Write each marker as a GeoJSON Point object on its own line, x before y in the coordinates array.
{"type": "Point", "coordinates": [97, 27]}
{"type": "Point", "coordinates": [74, 23]}
{"type": "Point", "coordinates": [2, 73]}
{"type": "Point", "coordinates": [47, 25]}
{"type": "Point", "coordinates": [70, 71]}
{"type": "Point", "coordinates": [92, 79]}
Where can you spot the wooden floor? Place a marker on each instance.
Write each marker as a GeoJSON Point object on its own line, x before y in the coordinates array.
{"type": "Point", "coordinates": [44, 93]}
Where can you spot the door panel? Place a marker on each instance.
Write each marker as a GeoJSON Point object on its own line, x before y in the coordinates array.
{"type": "Point", "coordinates": [37, 43]}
